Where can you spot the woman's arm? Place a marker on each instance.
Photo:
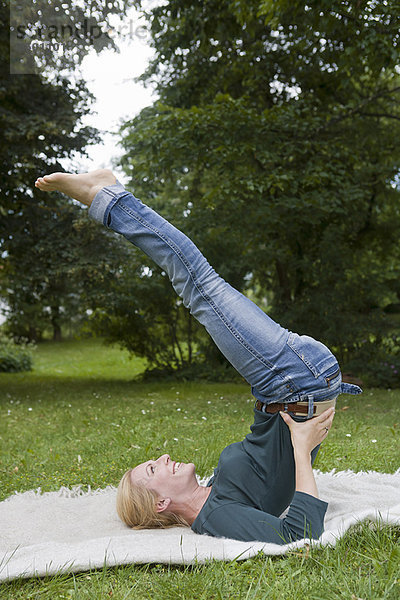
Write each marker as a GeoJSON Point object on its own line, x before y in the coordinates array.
{"type": "Point", "coordinates": [305, 481]}
{"type": "Point", "coordinates": [305, 519]}
{"type": "Point", "coordinates": [305, 437]}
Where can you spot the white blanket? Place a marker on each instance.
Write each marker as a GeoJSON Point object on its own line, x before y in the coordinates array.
{"type": "Point", "coordinates": [75, 530]}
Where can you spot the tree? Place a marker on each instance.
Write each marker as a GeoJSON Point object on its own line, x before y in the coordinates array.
{"type": "Point", "coordinates": [60, 264]}
{"type": "Point", "coordinates": [53, 35]}
{"type": "Point", "coordinates": [274, 144]}
{"type": "Point", "coordinates": [41, 123]}
{"type": "Point", "coordinates": [140, 311]}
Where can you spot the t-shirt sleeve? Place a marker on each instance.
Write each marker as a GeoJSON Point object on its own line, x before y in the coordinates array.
{"type": "Point", "coordinates": [305, 519]}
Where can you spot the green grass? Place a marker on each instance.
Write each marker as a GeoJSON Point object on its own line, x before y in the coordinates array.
{"type": "Point", "coordinates": [81, 418]}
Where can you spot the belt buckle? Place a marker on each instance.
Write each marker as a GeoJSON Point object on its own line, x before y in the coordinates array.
{"type": "Point", "coordinates": [311, 408]}
{"type": "Point", "coordinates": [310, 400]}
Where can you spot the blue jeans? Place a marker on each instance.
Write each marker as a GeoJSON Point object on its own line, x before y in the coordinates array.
{"type": "Point", "coordinates": [280, 366]}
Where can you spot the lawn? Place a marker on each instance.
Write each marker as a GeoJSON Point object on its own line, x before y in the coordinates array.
{"type": "Point", "coordinates": [81, 417]}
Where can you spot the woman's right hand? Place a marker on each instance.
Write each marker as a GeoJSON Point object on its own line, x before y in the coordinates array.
{"type": "Point", "coordinates": [306, 435]}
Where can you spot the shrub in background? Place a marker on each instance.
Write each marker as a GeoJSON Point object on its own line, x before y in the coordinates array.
{"type": "Point", "coordinates": [378, 364]}
{"type": "Point", "coordinates": [14, 357]}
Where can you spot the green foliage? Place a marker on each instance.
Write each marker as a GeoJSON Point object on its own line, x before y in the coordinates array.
{"type": "Point", "coordinates": [51, 262]}
{"type": "Point", "coordinates": [49, 284]}
{"type": "Point", "coordinates": [41, 123]}
{"type": "Point", "coordinates": [200, 369]}
{"type": "Point", "coordinates": [77, 27]}
{"type": "Point", "coordinates": [14, 357]}
{"type": "Point", "coordinates": [140, 311]}
{"type": "Point", "coordinates": [275, 146]}
{"type": "Point", "coordinates": [378, 363]}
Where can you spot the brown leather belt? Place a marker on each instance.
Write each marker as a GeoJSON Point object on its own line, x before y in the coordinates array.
{"type": "Point", "coordinates": [298, 408]}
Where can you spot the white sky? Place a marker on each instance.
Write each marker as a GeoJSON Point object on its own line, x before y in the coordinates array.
{"type": "Point", "coordinates": [109, 77]}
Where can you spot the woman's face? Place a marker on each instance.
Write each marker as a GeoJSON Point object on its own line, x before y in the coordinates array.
{"type": "Point", "coordinates": [167, 478]}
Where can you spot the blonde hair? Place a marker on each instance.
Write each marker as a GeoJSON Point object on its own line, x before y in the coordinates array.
{"type": "Point", "coordinates": [136, 507]}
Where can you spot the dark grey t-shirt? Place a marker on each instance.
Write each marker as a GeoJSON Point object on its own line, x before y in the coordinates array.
{"type": "Point", "coordinates": [253, 484]}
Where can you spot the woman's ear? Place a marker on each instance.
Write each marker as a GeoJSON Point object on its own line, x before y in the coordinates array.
{"type": "Point", "coordinates": [163, 504]}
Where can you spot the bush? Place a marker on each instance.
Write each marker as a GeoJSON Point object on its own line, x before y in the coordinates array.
{"type": "Point", "coordinates": [196, 371]}
{"type": "Point", "coordinates": [378, 365]}
{"type": "Point", "coordinates": [14, 357]}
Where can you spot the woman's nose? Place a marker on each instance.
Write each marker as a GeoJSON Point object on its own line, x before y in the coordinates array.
{"type": "Point", "coordinates": [164, 458]}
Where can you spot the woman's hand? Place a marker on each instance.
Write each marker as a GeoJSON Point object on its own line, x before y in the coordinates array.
{"type": "Point", "coordinates": [308, 434]}
{"type": "Point", "coordinates": [305, 436]}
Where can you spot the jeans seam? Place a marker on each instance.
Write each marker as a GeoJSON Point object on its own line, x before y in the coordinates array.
{"type": "Point", "coordinates": [292, 345]}
{"type": "Point", "coordinates": [200, 288]}
{"type": "Point", "coordinates": [113, 200]}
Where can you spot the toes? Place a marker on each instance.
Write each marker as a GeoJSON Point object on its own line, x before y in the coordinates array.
{"type": "Point", "coordinates": [43, 185]}
{"type": "Point", "coordinates": [55, 177]}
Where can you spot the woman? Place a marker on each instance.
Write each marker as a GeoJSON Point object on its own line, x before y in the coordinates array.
{"type": "Point", "coordinates": [271, 469]}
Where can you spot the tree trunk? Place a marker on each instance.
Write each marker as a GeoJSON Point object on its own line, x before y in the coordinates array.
{"type": "Point", "coordinates": [284, 284]}
{"type": "Point", "coordinates": [33, 335]}
{"type": "Point", "coordinates": [55, 323]}
{"type": "Point", "coordinates": [57, 335]}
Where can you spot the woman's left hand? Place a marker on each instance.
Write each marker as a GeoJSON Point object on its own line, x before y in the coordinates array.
{"type": "Point", "coordinates": [308, 434]}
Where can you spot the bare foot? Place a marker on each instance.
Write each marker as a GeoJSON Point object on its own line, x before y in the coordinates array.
{"type": "Point", "coordinates": [82, 187]}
